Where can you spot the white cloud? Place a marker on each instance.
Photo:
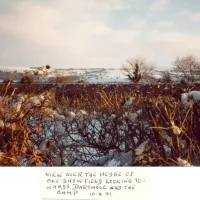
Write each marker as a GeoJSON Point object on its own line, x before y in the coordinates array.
{"type": "Point", "coordinates": [63, 23]}
{"type": "Point", "coordinates": [79, 33]}
{"type": "Point", "coordinates": [125, 37]}
{"type": "Point", "coordinates": [175, 43]}
{"type": "Point", "coordinates": [72, 28]}
{"type": "Point", "coordinates": [195, 17]}
{"type": "Point", "coordinates": [90, 5]}
{"type": "Point", "coordinates": [111, 4]}
{"type": "Point", "coordinates": [183, 13]}
{"type": "Point", "coordinates": [137, 23]}
{"type": "Point", "coordinates": [189, 15]}
{"type": "Point", "coordinates": [159, 5]}
{"type": "Point", "coordinates": [166, 24]}
{"type": "Point", "coordinates": [32, 22]}
{"type": "Point", "coordinates": [52, 27]}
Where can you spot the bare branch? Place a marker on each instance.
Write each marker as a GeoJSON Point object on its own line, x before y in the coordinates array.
{"type": "Point", "coordinates": [137, 69]}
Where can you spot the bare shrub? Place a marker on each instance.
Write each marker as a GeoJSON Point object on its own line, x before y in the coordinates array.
{"type": "Point", "coordinates": [129, 127]}
{"type": "Point", "coordinates": [166, 77]}
{"type": "Point", "coordinates": [188, 68]}
{"type": "Point", "coordinates": [137, 68]}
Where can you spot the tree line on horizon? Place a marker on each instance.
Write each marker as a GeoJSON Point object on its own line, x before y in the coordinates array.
{"type": "Point", "coordinates": [137, 69]}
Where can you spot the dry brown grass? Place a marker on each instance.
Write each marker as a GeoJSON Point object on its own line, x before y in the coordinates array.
{"type": "Point", "coordinates": [164, 122]}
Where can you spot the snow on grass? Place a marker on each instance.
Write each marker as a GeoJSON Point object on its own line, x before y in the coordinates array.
{"type": "Point", "coordinates": [113, 163]}
{"type": "Point", "coordinates": [89, 156]}
{"type": "Point", "coordinates": [187, 98]}
{"type": "Point", "coordinates": [184, 163]}
{"type": "Point", "coordinates": [139, 151]}
{"type": "Point", "coordinates": [132, 116]}
{"type": "Point", "coordinates": [195, 95]}
{"type": "Point", "coordinates": [129, 101]}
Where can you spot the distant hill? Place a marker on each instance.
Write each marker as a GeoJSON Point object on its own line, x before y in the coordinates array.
{"type": "Point", "coordinates": [93, 75]}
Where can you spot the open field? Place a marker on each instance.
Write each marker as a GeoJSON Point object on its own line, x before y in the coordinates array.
{"type": "Point", "coordinates": [99, 125]}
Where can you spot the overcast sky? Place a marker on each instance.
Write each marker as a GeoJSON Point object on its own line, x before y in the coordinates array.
{"type": "Point", "coordinates": [97, 33]}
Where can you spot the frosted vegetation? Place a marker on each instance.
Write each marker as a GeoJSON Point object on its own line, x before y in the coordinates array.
{"type": "Point", "coordinates": [36, 130]}
{"type": "Point", "coordinates": [149, 125]}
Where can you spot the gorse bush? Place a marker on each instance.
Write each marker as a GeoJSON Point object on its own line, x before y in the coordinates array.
{"type": "Point", "coordinates": [16, 114]}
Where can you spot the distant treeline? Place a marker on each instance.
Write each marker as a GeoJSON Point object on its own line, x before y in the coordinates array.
{"type": "Point", "coordinates": [4, 75]}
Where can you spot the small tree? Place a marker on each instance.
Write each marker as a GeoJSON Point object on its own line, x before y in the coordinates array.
{"type": "Point", "coordinates": [188, 67]}
{"type": "Point", "coordinates": [60, 79]}
{"type": "Point", "coordinates": [137, 69]}
{"type": "Point", "coordinates": [166, 77]}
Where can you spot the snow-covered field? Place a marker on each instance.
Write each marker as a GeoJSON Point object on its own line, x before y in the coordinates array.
{"type": "Point", "coordinates": [93, 75]}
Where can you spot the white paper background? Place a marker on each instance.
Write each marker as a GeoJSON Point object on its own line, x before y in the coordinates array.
{"type": "Point", "coordinates": [167, 183]}
{"type": "Point", "coordinates": [141, 191]}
